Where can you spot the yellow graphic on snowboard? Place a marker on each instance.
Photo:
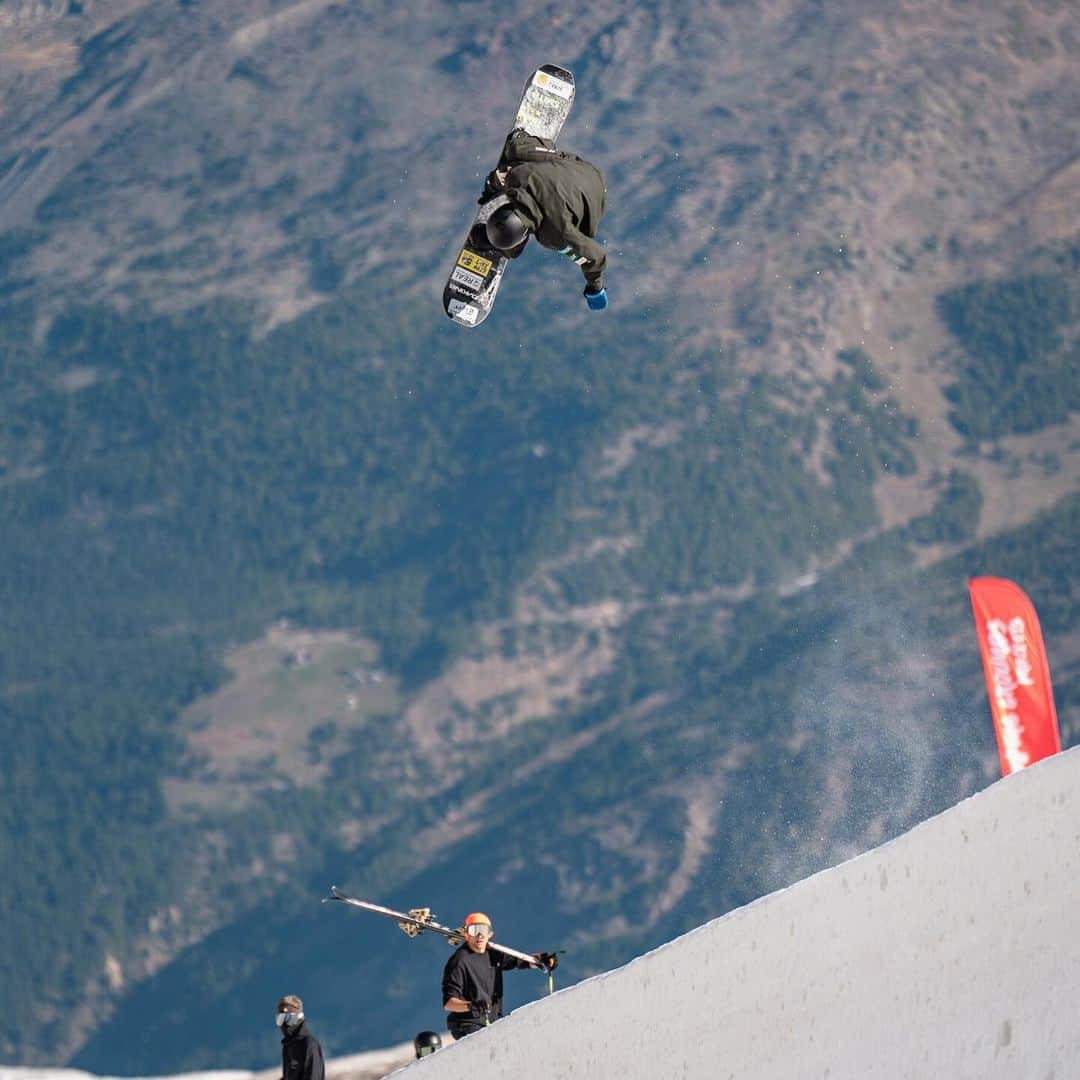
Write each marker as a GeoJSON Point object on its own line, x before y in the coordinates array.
{"type": "Point", "coordinates": [476, 263]}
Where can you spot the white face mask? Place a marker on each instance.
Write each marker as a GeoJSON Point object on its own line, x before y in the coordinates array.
{"type": "Point", "coordinates": [289, 1020]}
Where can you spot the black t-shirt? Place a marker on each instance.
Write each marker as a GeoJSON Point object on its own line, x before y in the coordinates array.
{"type": "Point", "coordinates": [474, 977]}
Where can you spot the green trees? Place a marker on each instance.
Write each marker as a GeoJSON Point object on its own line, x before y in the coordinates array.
{"type": "Point", "coordinates": [1019, 370]}
{"type": "Point", "coordinates": [171, 486]}
{"type": "Point", "coordinates": [955, 518]}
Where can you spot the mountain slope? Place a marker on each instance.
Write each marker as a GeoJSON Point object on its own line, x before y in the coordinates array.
{"type": "Point", "coordinates": [617, 620]}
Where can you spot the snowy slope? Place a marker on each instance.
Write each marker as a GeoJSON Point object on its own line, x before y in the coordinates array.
{"type": "Point", "coordinates": [369, 1066]}
{"type": "Point", "coordinates": [950, 952]}
{"type": "Point", "coordinates": [76, 1074]}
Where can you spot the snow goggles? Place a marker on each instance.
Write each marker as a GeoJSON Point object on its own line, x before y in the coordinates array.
{"type": "Point", "coordinates": [477, 929]}
{"type": "Point", "coordinates": [283, 1018]}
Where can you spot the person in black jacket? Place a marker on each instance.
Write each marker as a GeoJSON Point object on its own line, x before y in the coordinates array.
{"type": "Point", "coordinates": [301, 1054]}
{"type": "Point", "coordinates": [554, 195]}
{"type": "Point", "coordinates": [472, 979]}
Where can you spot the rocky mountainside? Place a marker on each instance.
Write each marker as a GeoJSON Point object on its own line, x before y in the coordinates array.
{"type": "Point", "coordinates": [614, 621]}
{"type": "Point", "coordinates": [789, 178]}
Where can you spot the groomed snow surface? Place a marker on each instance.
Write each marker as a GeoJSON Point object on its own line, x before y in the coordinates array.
{"type": "Point", "coordinates": [952, 952]}
{"type": "Point", "coordinates": [369, 1066]}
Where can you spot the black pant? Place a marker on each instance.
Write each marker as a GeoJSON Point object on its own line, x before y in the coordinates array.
{"type": "Point", "coordinates": [460, 1025]}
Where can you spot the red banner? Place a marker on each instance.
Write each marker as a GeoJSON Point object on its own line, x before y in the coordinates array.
{"type": "Point", "coordinates": [1017, 674]}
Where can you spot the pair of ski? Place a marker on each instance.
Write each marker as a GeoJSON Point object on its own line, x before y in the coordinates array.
{"type": "Point", "coordinates": [417, 920]}
{"type": "Point", "coordinates": [470, 290]}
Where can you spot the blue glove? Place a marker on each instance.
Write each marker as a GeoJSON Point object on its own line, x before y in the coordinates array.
{"type": "Point", "coordinates": [597, 301]}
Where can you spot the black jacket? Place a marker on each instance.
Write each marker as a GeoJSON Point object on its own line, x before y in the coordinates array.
{"type": "Point", "coordinates": [561, 196]}
{"type": "Point", "coordinates": [477, 979]}
{"type": "Point", "coordinates": [301, 1056]}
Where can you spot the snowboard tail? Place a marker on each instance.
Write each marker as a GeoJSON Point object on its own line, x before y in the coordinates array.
{"type": "Point", "coordinates": [470, 290]}
{"type": "Point", "coordinates": [546, 102]}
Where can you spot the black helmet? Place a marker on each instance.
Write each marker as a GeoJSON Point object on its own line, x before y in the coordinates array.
{"type": "Point", "coordinates": [427, 1042]}
{"type": "Point", "coordinates": [506, 228]}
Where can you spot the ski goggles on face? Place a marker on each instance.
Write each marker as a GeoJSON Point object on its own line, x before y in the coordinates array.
{"type": "Point", "coordinates": [283, 1018]}
{"type": "Point", "coordinates": [478, 929]}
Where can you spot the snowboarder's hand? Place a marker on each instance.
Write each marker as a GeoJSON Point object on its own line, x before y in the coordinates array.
{"type": "Point", "coordinates": [596, 299]}
{"type": "Point", "coordinates": [547, 960]}
{"type": "Point", "coordinates": [481, 1007]}
{"type": "Point", "coordinates": [493, 186]}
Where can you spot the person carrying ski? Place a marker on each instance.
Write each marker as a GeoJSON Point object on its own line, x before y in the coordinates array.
{"type": "Point", "coordinates": [301, 1054]}
{"type": "Point", "coordinates": [472, 979]}
{"type": "Point", "coordinates": [554, 195]}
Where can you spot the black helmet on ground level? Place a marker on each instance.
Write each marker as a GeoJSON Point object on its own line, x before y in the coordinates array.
{"type": "Point", "coordinates": [506, 228]}
{"type": "Point", "coordinates": [427, 1042]}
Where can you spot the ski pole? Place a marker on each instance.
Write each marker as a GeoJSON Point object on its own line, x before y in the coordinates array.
{"type": "Point", "coordinates": [551, 971]}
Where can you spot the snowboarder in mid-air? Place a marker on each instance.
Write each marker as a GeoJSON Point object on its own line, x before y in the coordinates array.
{"type": "Point", "coordinates": [555, 196]}
{"type": "Point", "coordinates": [472, 979]}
